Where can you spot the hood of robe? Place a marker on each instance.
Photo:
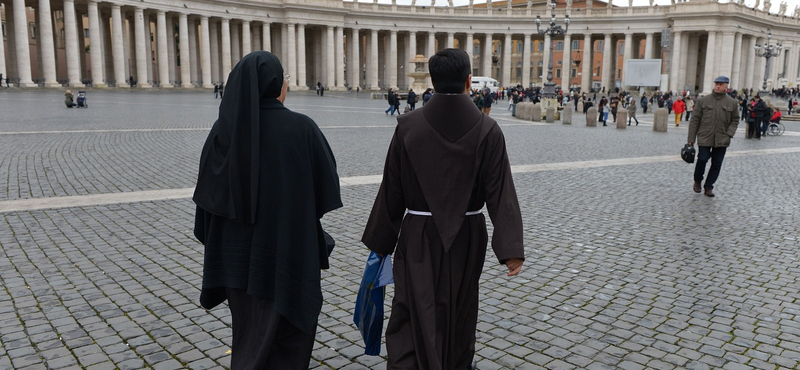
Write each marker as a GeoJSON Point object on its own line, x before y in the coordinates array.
{"type": "Point", "coordinates": [455, 135]}
{"type": "Point", "coordinates": [227, 182]}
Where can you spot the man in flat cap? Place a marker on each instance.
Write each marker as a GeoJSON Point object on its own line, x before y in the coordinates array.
{"type": "Point", "coordinates": [712, 126]}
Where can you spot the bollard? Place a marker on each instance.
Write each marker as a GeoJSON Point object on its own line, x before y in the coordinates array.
{"type": "Point", "coordinates": [551, 114]}
{"type": "Point", "coordinates": [591, 117]}
{"type": "Point", "coordinates": [536, 113]}
{"type": "Point", "coordinates": [660, 118]}
{"type": "Point", "coordinates": [622, 118]}
{"type": "Point", "coordinates": [580, 105]}
{"type": "Point", "coordinates": [566, 116]}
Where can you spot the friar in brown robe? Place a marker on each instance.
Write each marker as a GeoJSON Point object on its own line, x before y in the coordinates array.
{"type": "Point", "coordinates": [444, 163]}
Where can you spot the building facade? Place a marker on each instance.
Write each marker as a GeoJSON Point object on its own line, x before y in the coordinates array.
{"type": "Point", "coordinates": [344, 44]}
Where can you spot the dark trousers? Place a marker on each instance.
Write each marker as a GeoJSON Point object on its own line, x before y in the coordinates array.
{"type": "Point", "coordinates": [716, 154]}
{"type": "Point", "coordinates": [753, 129]}
{"type": "Point", "coordinates": [688, 114]}
{"type": "Point", "coordinates": [263, 338]}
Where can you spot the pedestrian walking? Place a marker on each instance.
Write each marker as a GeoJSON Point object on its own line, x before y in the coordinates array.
{"type": "Point", "coordinates": [390, 98]}
{"type": "Point", "coordinates": [689, 107]}
{"type": "Point", "coordinates": [712, 127]}
{"type": "Point", "coordinates": [412, 99]}
{"type": "Point", "coordinates": [264, 246]}
{"type": "Point", "coordinates": [216, 90]}
{"type": "Point", "coordinates": [444, 163]}
{"type": "Point", "coordinates": [679, 107]}
{"type": "Point", "coordinates": [632, 112]}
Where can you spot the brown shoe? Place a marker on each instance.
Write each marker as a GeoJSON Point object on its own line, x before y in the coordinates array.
{"type": "Point", "coordinates": [709, 193]}
{"type": "Point", "coordinates": [697, 187]}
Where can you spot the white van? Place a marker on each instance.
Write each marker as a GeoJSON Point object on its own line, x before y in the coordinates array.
{"type": "Point", "coordinates": [479, 82]}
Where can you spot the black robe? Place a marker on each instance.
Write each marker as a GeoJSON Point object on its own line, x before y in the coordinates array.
{"type": "Point", "coordinates": [278, 257]}
{"type": "Point", "coordinates": [446, 158]}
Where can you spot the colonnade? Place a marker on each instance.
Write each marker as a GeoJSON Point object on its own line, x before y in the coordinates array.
{"type": "Point", "coordinates": [172, 47]}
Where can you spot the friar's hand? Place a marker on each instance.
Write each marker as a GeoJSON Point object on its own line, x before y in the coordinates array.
{"type": "Point", "coordinates": [514, 266]}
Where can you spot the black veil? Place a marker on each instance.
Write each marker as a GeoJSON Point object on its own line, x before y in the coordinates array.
{"type": "Point", "coordinates": [227, 182]}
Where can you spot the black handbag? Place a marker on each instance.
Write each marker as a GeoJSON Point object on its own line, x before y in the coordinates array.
{"type": "Point", "coordinates": [688, 153]}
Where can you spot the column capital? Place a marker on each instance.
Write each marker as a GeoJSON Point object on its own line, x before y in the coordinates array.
{"type": "Point", "coordinates": [204, 18]}
{"type": "Point", "coordinates": [159, 12]}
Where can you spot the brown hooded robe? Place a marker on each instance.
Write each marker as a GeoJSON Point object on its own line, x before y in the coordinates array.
{"type": "Point", "coordinates": [447, 158]}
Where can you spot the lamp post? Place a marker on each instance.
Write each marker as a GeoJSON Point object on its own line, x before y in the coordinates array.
{"type": "Point", "coordinates": [768, 51]}
{"type": "Point", "coordinates": [549, 91]}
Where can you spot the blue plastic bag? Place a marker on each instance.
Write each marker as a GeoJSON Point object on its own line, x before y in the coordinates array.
{"type": "Point", "coordinates": [368, 315]}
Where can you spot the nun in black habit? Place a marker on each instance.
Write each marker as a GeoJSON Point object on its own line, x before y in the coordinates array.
{"type": "Point", "coordinates": [267, 175]}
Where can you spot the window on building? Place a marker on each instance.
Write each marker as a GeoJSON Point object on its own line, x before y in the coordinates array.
{"type": "Point", "coordinates": [539, 64]}
{"type": "Point", "coordinates": [558, 73]}
{"type": "Point", "coordinates": [476, 50]}
{"type": "Point", "coordinates": [576, 45]}
{"type": "Point", "coordinates": [560, 62]}
{"type": "Point", "coordinates": [32, 30]}
{"type": "Point", "coordinates": [4, 29]}
{"type": "Point", "coordinates": [619, 74]}
{"type": "Point", "coordinates": [600, 45]}
{"type": "Point", "coordinates": [519, 64]}
{"type": "Point", "coordinates": [86, 33]}
{"type": "Point", "coordinates": [520, 47]}
{"type": "Point", "coordinates": [559, 45]}
{"type": "Point", "coordinates": [573, 73]}
{"type": "Point", "coordinates": [539, 70]}
{"type": "Point", "coordinates": [597, 71]}
{"type": "Point", "coordinates": [621, 48]}
{"type": "Point", "coordinates": [541, 45]}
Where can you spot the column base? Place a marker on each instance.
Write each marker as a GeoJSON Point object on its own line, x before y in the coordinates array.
{"type": "Point", "coordinates": [74, 85]}
{"type": "Point", "coordinates": [338, 88]}
{"type": "Point", "coordinates": [28, 84]}
{"type": "Point", "coordinates": [375, 88]}
{"type": "Point", "coordinates": [52, 84]}
{"type": "Point", "coordinates": [144, 86]}
{"type": "Point", "coordinates": [187, 86]}
{"type": "Point", "coordinates": [102, 85]}
{"type": "Point", "coordinates": [167, 86]}
{"type": "Point", "coordinates": [208, 86]}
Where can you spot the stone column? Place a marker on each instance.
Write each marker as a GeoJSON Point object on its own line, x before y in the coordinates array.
{"type": "Point", "coordinates": [291, 46]}
{"type": "Point", "coordinates": [117, 46]}
{"type": "Point", "coordinates": [284, 42]}
{"type": "Point", "coordinates": [215, 51]}
{"type": "Point", "coordinates": [141, 47]}
{"type": "Point", "coordinates": [149, 47]}
{"type": "Point", "coordinates": [205, 52]}
{"type": "Point", "coordinates": [226, 49]}
{"type": "Point", "coordinates": [548, 42]}
{"type": "Point", "coordinates": [266, 37]}
{"type": "Point", "coordinates": [373, 63]}
{"type": "Point", "coordinates": [586, 72]}
{"type": "Point", "coordinates": [356, 58]}
{"type": "Point", "coordinates": [392, 62]}
{"type": "Point", "coordinates": [566, 65]}
{"type": "Point", "coordinates": [627, 55]}
{"type": "Point", "coordinates": [3, 51]}
{"type": "Point", "coordinates": [194, 63]}
{"type": "Point", "coordinates": [470, 46]}
{"type": "Point", "coordinates": [685, 63]}
{"type": "Point", "coordinates": [247, 39]}
{"type": "Point", "coordinates": [163, 56]}
{"type": "Point", "coordinates": [749, 76]}
{"type": "Point", "coordinates": [236, 44]}
{"type": "Point", "coordinates": [186, 73]}
{"type": "Point", "coordinates": [340, 59]}
{"type": "Point", "coordinates": [676, 58]}
{"type": "Point", "coordinates": [47, 47]}
{"type": "Point", "coordinates": [726, 62]}
{"type": "Point", "coordinates": [737, 61]}
{"type": "Point", "coordinates": [11, 67]}
{"type": "Point", "coordinates": [330, 60]}
{"type": "Point", "coordinates": [708, 74]}
{"type": "Point", "coordinates": [450, 40]}
{"type": "Point", "coordinates": [506, 81]}
{"type": "Point", "coordinates": [486, 48]}
{"type": "Point", "coordinates": [108, 57]}
{"type": "Point", "coordinates": [648, 46]}
{"type": "Point", "coordinates": [692, 54]}
{"type": "Point", "coordinates": [173, 59]}
{"type": "Point", "coordinates": [301, 57]}
{"type": "Point", "coordinates": [70, 42]}
{"type": "Point", "coordinates": [607, 55]}
{"type": "Point", "coordinates": [22, 47]}
{"type": "Point", "coordinates": [412, 52]}
{"type": "Point", "coordinates": [526, 61]}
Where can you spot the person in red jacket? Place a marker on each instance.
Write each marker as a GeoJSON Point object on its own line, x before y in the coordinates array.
{"type": "Point", "coordinates": [776, 117]}
{"type": "Point", "coordinates": [678, 107]}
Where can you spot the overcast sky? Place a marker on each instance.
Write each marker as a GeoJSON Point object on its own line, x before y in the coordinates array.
{"type": "Point", "coordinates": [774, 8]}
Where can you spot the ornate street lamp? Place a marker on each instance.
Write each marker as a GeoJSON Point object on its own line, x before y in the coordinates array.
{"type": "Point", "coordinates": [549, 91]}
{"type": "Point", "coordinates": [768, 51]}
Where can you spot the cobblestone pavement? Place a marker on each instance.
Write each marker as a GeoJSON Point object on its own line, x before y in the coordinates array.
{"type": "Point", "coordinates": [626, 267]}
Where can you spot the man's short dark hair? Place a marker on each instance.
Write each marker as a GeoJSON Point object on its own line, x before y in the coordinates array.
{"type": "Point", "coordinates": [450, 69]}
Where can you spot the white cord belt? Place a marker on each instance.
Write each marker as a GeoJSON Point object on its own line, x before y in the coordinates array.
{"type": "Point", "coordinates": [423, 213]}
